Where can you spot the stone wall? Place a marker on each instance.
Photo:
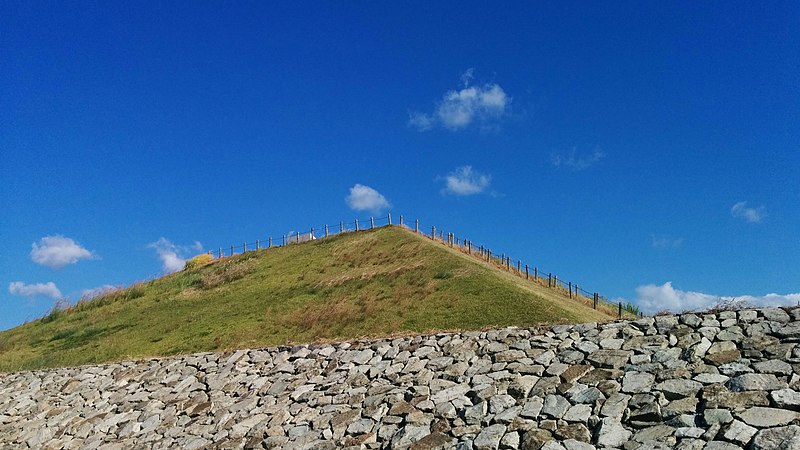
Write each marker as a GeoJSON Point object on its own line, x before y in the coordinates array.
{"type": "Point", "coordinates": [715, 381]}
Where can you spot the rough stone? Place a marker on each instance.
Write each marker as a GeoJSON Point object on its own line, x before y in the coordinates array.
{"type": "Point", "coordinates": [782, 438]}
{"type": "Point", "coordinates": [573, 431]}
{"type": "Point", "coordinates": [739, 433]}
{"type": "Point", "coordinates": [775, 315]}
{"type": "Point", "coordinates": [767, 417]}
{"type": "Point", "coordinates": [611, 433]}
{"type": "Point", "coordinates": [679, 388]}
{"type": "Point", "coordinates": [610, 358]}
{"type": "Point", "coordinates": [717, 416]}
{"type": "Point", "coordinates": [534, 439]}
{"type": "Point", "coordinates": [615, 406]}
{"type": "Point", "coordinates": [578, 413]}
{"type": "Point", "coordinates": [636, 382]}
{"type": "Point", "coordinates": [755, 382]}
{"type": "Point", "coordinates": [489, 437]}
{"type": "Point", "coordinates": [434, 441]}
{"type": "Point", "coordinates": [555, 406]}
{"type": "Point", "coordinates": [786, 399]}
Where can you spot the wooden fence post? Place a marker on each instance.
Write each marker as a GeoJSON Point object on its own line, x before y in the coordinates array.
{"type": "Point", "coordinates": [433, 233]}
{"type": "Point", "coordinates": [526, 271]}
{"type": "Point", "coordinates": [258, 244]}
{"type": "Point", "coordinates": [326, 230]}
{"type": "Point", "coordinates": [570, 289]}
{"type": "Point", "coordinates": [371, 223]}
{"type": "Point", "coordinates": [416, 226]}
{"type": "Point", "coordinates": [535, 273]}
{"type": "Point", "coordinates": [550, 279]}
{"type": "Point", "coordinates": [284, 240]}
{"type": "Point", "coordinates": [311, 235]}
{"type": "Point", "coordinates": [401, 220]}
{"type": "Point", "coordinates": [231, 250]}
{"type": "Point", "coordinates": [356, 224]}
{"type": "Point", "coordinates": [518, 263]}
{"type": "Point", "coordinates": [297, 237]}
{"type": "Point", "coordinates": [469, 247]}
{"type": "Point", "coordinates": [269, 245]}
{"type": "Point", "coordinates": [220, 252]}
{"type": "Point", "coordinates": [341, 227]}
{"type": "Point", "coordinates": [389, 216]}
{"type": "Point", "coordinates": [595, 300]}
{"type": "Point", "coordinates": [620, 310]}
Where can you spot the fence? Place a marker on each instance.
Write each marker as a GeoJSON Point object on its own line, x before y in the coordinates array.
{"type": "Point", "coordinates": [534, 274]}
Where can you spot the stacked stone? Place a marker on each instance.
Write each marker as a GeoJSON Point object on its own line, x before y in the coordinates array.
{"type": "Point", "coordinates": [724, 380]}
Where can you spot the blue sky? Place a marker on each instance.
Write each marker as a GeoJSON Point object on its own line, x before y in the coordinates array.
{"type": "Point", "coordinates": [646, 151]}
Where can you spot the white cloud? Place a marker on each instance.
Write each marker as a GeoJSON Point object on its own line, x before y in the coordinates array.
{"type": "Point", "coordinates": [460, 108]}
{"type": "Point", "coordinates": [652, 298]}
{"type": "Point", "coordinates": [666, 241]}
{"type": "Point", "coordinates": [466, 181]}
{"type": "Point", "coordinates": [58, 251]}
{"type": "Point", "coordinates": [364, 198]}
{"type": "Point", "coordinates": [467, 76]}
{"type": "Point", "coordinates": [48, 289]}
{"type": "Point", "coordinates": [89, 294]}
{"type": "Point", "coordinates": [752, 215]}
{"type": "Point", "coordinates": [577, 162]}
{"type": "Point", "coordinates": [173, 257]}
{"type": "Point", "coordinates": [420, 121]}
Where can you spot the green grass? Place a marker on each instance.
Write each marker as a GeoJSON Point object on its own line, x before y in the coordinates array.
{"type": "Point", "coordinates": [369, 283]}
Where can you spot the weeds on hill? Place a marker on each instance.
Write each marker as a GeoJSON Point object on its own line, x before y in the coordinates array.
{"type": "Point", "coordinates": [199, 261]}
{"type": "Point", "coordinates": [227, 271]}
{"type": "Point", "coordinates": [633, 309]}
{"type": "Point", "coordinates": [728, 304]}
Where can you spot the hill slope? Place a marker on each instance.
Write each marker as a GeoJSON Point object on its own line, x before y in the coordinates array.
{"type": "Point", "coordinates": [368, 283]}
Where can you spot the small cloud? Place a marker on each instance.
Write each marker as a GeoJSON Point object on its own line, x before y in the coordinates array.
{"type": "Point", "coordinates": [364, 198]}
{"type": "Point", "coordinates": [467, 76]}
{"type": "Point", "coordinates": [466, 181]}
{"type": "Point", "coordinates": [58, 251]}
{"type": "Point", "coordinates": [666, 241]}
{"type": "Point", "coordinates": [48, 289]}
{"type": "Point", "coordinates": [460, 108]}
{"type": "Point", "coordinates": [751, 215]}
{"type": "Point", "coordinates": [420, 121]}
{"type": "Point", "coordinates": [89, 294]}
{"type": "Point", "coordinates": [577, 162]}
{"type": "Point", "coordinates": [173, 257]}
{"type": "Point", "coordinates": [652, 298]}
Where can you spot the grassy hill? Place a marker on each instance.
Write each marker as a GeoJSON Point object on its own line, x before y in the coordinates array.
{"type": "Point", "coordinates": [369, 283]}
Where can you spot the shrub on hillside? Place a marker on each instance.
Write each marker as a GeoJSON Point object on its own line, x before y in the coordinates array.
{"type": "Point", "coordinates": [198, 261]}
{"type": "Point", "coordinates": [633, 309]}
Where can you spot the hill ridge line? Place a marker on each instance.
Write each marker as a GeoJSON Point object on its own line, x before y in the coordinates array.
{"type": "Point", "coordinates": [568, 289]}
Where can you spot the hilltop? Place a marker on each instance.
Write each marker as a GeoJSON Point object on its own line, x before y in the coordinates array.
{"type": "Point", "coordinates": [369, 283]}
